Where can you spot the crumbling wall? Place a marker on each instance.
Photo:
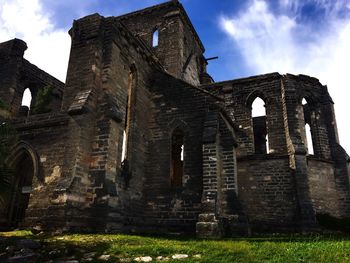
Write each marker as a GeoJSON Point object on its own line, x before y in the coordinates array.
{"type": "Point", "coordinates": [293, 190]}
{"type": "Point", "coordinates": [48, 137]}
{"type": "Point", "coordinates": [17, 74]}
{"type": "Point", "coordinates": [239, 96]}
{"type": "Point", "coordinates": [319, 113]}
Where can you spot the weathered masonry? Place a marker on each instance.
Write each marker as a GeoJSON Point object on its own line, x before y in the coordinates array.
{"type": "Point", "coordinates": [141, 139]}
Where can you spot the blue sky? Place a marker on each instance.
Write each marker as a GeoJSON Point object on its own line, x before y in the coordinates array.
{"type": "Point", "coordinates": [250, 37]}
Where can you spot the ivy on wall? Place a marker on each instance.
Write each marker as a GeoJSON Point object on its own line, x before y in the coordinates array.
{"type": "Point", "coordinates": [3, 106]}
{"type": "Point", "coordinates": [43, 99]}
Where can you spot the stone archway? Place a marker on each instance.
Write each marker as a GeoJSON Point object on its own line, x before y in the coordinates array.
{"type": "Point", "coordinates": [24, 162]}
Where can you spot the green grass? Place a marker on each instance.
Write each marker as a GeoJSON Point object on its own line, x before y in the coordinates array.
{"type": "Point", "coordinates": [262, 249]}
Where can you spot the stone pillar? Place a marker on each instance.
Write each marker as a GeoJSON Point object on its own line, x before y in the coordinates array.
{"type": "Point", "coordinates": [11, 58]}
{"type": "Point", "coordinates": [81, 101]}
{"type": "Point", "coordinates": [307, 217]}
{"type": "Point", "coordinates": [208, 225]}
{"type": "Point", "coordinates": [293, 126]}
{"type": "Point", "coordinates": [340, 158]}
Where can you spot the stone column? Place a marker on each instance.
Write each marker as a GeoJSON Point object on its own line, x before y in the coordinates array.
{"type": "Point", "coordinates": [208, 226]}
{"type": "Point", "coordinates": [11, 60]}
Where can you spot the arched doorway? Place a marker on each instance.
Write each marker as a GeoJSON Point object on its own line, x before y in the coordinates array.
{"type": "Point", "coordinates": [23, 160]}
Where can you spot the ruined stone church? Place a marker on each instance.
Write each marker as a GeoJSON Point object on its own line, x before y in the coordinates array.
{"type": "Point", "coordinates": [140, 139]}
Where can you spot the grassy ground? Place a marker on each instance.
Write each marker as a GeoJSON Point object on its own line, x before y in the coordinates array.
{"type": "Point", "coordinates": [124, 248]}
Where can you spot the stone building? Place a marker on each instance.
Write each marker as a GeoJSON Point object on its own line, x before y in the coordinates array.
{"type": "Point", "coordinates": [141, 139]}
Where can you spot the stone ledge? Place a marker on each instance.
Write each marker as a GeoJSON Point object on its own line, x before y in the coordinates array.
{"type": "Point", "coordinates": [40, 121]}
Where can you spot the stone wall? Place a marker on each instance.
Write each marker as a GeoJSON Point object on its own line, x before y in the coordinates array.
{"type": "Point", "coordinates": [239, 96]}
{"type": "Point", "coordinates": [322, 187]}
{"type": "Point", "coordinates": [175, 104]}
{"type": "Point", "coordinates": [46, 139]}
{"type": "Point", "coordinates": [267, 192]}
{"type": "Point", "coordinates": [17, 74]}
{"type": "Point", "coordinates": [295, 177]}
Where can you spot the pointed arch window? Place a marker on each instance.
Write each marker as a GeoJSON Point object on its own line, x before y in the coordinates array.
{"type": "Point", "coordinates": [303, 102]}
{"type": "Point", "coordinates": [258, 108]}
{"type": "Point", "coordinates": [261, 137]}
{"type": "Point", "coordinates": [177, 158]}
{"type": "Point", "coordinates": [307, 136]}
{"type": "Point", "coordinates": [127, 124]}
{"type": "Point", "coordinates": [27, 98]}
{"type": "Point", "coordinates": [155, 38]}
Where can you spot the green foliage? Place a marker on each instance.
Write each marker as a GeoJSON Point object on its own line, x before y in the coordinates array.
{"type": "Point", "coordinates": [8, 138]}
{"type": "Point", "coordinates": [3, 105]}
{"type": "Point", "coordinates": [122, 248]}
{"type": "Point", "coordinates": [43, 99]}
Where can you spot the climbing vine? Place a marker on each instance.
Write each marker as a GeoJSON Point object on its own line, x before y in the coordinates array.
{"type": "Point", "coordinates": [43, 100]}
{"type": "Point", "coordinates": [3, 105]}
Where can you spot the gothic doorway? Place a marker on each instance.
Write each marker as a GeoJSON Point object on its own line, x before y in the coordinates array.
{"type": "Point", "coordinates": [24, 163]}
{"type": "Point", "coordinates": [21, 189]}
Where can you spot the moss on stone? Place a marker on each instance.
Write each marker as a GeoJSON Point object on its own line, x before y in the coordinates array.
{"type": "Point", "coordinates": [43, 100]}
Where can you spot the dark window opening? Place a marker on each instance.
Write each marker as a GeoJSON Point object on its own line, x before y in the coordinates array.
{"type": "Point", "coordinates": [261, 137]}
{"type": "Point", "coordinates": [177, 158]}
{"type": "Point", "coordinates": [155, 38]}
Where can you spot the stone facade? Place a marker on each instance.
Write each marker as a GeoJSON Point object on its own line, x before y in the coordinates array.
{"type": "Point", "coordinates": [140, 138]}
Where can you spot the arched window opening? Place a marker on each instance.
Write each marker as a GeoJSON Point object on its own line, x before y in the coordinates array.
{"type": "Point", "coordinates": [305, 121]}
{"type": "Point", "coordinates": [258, 108]}
{"type": "Point", "coordinates": [177, 158]}
{"type": "Point", "coordinates": [155, 38]}
{"type": "Point", "coordinates": [127, 124]}
{"type": "Point", "coordinates": [27, 98]}
{"type": "Point", "coordinates": [309, 142]}
{"type": "Point", "coordinates": [21, 189]}
{"type": "Point", "coordinates": [261, 140]}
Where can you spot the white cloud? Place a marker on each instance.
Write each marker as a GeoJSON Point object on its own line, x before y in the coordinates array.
{"type": "Point", "coordinates": [271, 41]}
{"type": "Point", "coordinates": [48, 48]}
{"type": "Point", "coordinates": [258, 30]}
